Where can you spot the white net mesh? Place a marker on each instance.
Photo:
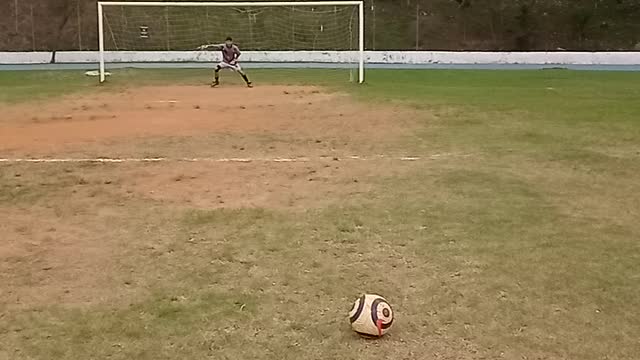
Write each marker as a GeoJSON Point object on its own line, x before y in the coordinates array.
{"type": "Point", "coordinates": [327, 33]}
{"type": "Point", "coordinates": [265, 28]}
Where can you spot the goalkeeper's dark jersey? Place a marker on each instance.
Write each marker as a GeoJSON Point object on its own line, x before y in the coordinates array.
{"type": "Point", "coordinates": [229, 54]}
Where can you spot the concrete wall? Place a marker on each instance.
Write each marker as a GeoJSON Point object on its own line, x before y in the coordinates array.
{"type": "Point", "coordinates": [379, 57]}
{"type": "Point", "coordinates": [533, 58]}
{"type": "Point", "coordinates": [25, 57]}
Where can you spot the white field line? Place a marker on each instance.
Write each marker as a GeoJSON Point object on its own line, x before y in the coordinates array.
{"type": "Point", "coordinates": [227, 160]}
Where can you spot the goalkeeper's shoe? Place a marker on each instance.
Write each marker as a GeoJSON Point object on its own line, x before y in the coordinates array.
{"type": "Point", "coordinates": [215, 83]}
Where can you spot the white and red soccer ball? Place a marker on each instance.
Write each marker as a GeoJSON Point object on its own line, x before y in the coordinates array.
{"type": "Point", "coordinates": [371, 316]}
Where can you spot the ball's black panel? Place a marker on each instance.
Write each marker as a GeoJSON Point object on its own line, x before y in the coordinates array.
{"type": "Point", "coordinates": [368, 336]}
{"type": "Point", "coordinates": [359, 311]}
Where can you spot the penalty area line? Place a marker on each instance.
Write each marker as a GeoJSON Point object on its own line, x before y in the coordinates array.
{"type": "Point", "coordinates": [226, 160]}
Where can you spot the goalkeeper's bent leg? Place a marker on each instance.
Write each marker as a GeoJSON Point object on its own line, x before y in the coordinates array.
{"type": "Point", "coordinates": [216, 76]}
{"type": "Point", "coordinates": [245, 78]}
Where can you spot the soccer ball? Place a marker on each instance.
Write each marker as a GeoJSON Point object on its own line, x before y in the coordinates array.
{"type": "Point", "coordinates": [371, 316]}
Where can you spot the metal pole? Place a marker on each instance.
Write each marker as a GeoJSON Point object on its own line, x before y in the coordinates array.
{"type": "Point", "coordinates": [79, 25]}
{"type": "Point", "coordinates": [15, 8]}
{"type": "Point", "coordinates": [166, 16]}
{"type": "Point", "coordinates": [33, 30]}
{"type": "Point", "coordinates": [417, 25]}
{"type": "Point", "coordinates": [293, 28]}
{"type": "Point", "coordinates": [361, 40]}
{"type": "Point", "coordinates": [101, 40]}
{"type": "Point", "coordinates": [373, 25]}
{"type": "Point", "coordinates": [207, 22]}
{"type": "Point", "coordinates": [250, 27]}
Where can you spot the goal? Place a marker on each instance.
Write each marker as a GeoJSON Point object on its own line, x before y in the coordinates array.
{"type": "Point", "coordinates": [270, 34]}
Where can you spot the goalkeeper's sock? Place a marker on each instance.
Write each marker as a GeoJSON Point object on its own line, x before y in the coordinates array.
{"type": "Point", "coordinates": [246, 79]}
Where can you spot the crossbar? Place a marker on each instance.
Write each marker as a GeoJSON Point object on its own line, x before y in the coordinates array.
{"type": "Point", "coordinates": [229, 3]}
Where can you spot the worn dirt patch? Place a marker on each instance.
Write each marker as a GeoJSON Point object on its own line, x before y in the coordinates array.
{"type": "Point", "coordinates": [80, 121]}
{"type": "Point", "coordinates": [83, 234]}
{"type": "Point", "coordinates": [49, 260]}
{"type": "Point", "coordinates": [260, 185]}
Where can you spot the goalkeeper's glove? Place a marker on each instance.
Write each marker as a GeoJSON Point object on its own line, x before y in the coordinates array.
{"type": "Point", "coordinates": [203, 47]}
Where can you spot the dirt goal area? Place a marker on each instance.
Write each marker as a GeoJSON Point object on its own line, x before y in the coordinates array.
{"type": "Point", "coordinates": [186, 136]}
{"type": "Point", "coordinates": [77, 124]}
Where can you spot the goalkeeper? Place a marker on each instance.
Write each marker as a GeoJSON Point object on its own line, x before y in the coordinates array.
{"type": "Point", "coordinates": [230, 55]}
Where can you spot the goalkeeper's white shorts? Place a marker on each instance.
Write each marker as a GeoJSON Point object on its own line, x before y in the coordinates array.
{"type": "Point", "coordinates": [224, 65]}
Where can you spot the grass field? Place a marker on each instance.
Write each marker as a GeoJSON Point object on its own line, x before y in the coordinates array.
{"type": "Point", "coordinates": [515, 235]}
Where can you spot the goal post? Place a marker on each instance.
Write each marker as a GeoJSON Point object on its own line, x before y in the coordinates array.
{"type": "Point", "coordinates": [303, 31]}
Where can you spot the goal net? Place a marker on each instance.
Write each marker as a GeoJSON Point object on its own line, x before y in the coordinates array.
{"type": "Point", "coordinates": [291, 34]}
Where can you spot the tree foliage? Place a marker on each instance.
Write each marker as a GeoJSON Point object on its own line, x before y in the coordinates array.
{"type": "Point", "coordinates": [391, 24]}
